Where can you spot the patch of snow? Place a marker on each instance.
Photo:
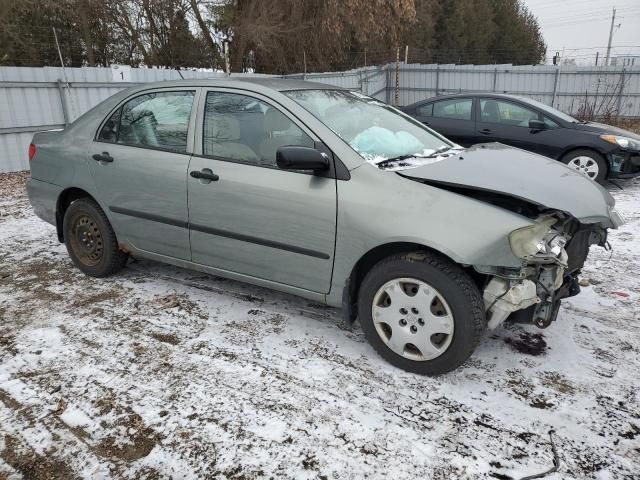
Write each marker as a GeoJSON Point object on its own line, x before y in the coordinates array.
{"type": "Point", "coordinates": [164, 372]}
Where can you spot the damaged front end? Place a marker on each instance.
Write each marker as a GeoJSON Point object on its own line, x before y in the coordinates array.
{"type": "Point", "coordinates": [553, 251]}
{"type": "Point", "coordinates": [568, 212]}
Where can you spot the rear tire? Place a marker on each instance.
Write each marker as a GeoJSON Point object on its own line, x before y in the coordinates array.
{"type": "Point", "coordinates": [587, 162]}
{"type": "Point", "coordinates": [90, 239]}
{"type": "Point", "coordinates": [433, 307]}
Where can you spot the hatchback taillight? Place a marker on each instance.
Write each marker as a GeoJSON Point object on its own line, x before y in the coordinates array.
{"type": "Point", "coordinates": [32, 151]}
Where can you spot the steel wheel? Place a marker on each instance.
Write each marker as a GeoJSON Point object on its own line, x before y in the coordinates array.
{"type": "Point", "coordinates": [86, 240]}
{"type": "Point", "coordinates": [586, 165]}
{"type": "Point", "coordinates": [413, 319]}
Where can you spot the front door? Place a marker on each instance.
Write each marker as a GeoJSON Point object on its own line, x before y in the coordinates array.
{"type": "Point", "coordinates": [139, 164]}
{"type": "Point", "coordinates": [247, 216]}
{"type": "Point", "coordinates": [508, 122]}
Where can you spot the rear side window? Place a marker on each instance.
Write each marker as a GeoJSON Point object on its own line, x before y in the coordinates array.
{"type": "Point", "coordinates": [425, 110]}
{"type": "Point", "coordinates": [247, 130]}
{"type": "Point", "coordinates": [155, 120]}
{"type": "Point", "coordinates": [458, 108]}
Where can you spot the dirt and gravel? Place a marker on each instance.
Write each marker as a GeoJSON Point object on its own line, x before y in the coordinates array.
{"type": "Point", "coordinates": [161, 372]}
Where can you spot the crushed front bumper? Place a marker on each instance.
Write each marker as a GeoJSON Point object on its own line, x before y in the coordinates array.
{"type": "Point", "coordinates": [624, 164]}
{"type": "Point", "coordinates": [533, 293]}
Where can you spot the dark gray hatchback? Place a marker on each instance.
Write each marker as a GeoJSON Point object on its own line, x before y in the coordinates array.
{"type": "Point", "coordinates": [594, 149]}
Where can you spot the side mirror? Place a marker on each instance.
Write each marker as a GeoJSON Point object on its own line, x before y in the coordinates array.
{"type": "Point", "coordinates": [537, 125]}
{"type": "Point", "coordinates": [301, 158]}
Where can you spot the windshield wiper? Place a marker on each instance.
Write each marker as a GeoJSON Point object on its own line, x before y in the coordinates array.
{"type": "Point", "coordinates": [399, 158]}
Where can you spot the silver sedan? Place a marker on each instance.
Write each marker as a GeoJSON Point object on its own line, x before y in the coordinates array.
{"type": "Point", "coordinates": [327, 194]}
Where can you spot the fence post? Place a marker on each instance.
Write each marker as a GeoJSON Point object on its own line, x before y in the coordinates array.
{"type": "Point", "coordinates": [387, 84]}
{"type": "Point", "coordinates": [620, 91]}
{"type": "Point", "coordinates": [397, 91]}
{"type": "Point", "coordinates": [495, 78]}
{"type": "Point", "coordinates": [555, 87]}
{"type": "Point", "coordinates": [63, 102]}
{"type": "Point", "coordinates": [437, 78]}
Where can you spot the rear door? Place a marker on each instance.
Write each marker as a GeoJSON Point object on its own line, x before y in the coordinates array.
{"type": "Point", "coordinates": [139, 164]}
{"type": "Point", "coordinates": [453, 118]}
{"type": "Point", "coordinates": [508, 122]}
{"type": "Point", "coordinates": [249, 217]}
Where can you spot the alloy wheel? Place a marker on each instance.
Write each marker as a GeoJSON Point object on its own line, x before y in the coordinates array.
{"type": "Point", "coordinates": [585, 165]}
{"type": "Point", "coordinates": [413, 319]}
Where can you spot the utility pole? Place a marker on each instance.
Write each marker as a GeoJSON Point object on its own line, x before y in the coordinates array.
{"type": "Point", "coordinates": [613, 19]}
{"type": "Point", "coordinates": [397, 95]}
{"type": "Point", "coordinates": [597, 56]}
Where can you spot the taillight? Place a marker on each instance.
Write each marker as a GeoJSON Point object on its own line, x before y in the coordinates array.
{"type": "Point", "coordinates": [32, 151]}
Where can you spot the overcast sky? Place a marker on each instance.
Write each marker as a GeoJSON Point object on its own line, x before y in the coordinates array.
{"type": "Point", "coordinates": [582, 26]}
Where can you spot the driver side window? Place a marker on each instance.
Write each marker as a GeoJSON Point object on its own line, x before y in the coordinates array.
{"type": "Point", "coordinates": [506, 113]}
{"type": "Point", "coordinates": [247, 130]}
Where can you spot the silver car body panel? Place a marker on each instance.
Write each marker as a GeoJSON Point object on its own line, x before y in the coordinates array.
{"type": "Point", "coordinates": [531, 177]}
{"type": "Point", "coordinates": [338, 219]}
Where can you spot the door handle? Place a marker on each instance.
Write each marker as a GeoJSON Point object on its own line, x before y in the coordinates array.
{"type": "Point", "coordinates": [103, 157]}
{"type": "Point", "coordinates": [204, 175]}
{"type": "Point", "coordinates": [486, 131]}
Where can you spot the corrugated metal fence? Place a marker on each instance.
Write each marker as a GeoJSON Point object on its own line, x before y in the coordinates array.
{"type": "Point", "coordinates": [569, 89]}
{"type": "Point", "coordinates": [33, 99]}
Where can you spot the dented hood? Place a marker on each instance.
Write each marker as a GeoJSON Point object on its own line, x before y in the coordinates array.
{"type": "Point", "coordinates": [520, 174]}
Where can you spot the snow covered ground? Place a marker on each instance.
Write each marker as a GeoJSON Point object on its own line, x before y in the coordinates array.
{"type": "Point", "coordinates": [161, 372]}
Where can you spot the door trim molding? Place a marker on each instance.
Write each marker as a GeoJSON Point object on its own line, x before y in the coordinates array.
{"type": "Point", "coordinates": [220, 233]}
{"type": "Point", "coordinates": [259, 241]}
{"type": "Point", "coordinates": [150, 216]}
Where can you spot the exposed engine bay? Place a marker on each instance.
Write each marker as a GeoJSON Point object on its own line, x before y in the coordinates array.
{"type": "Point", "coordinates": [533, 293]}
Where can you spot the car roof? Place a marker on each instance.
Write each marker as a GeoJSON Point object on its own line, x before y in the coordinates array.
{"type": "Point", "coordinates": [257, 84]}
{"type": "Point", "coordinates": [471, 94]}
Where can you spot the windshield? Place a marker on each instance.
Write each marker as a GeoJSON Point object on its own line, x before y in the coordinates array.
{"type": "Point", "coordinates": [375, 130]}
{"type": "Point", "coordinates": [551, 110]}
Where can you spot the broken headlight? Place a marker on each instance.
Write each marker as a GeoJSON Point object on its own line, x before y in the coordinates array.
{"type": "Point", "coordinates": [538, 242]}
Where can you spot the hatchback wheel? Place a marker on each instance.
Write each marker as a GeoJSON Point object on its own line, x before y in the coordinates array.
{"type": "Point", "coordinates": [421, 312]}
{"type": "Point", "coordinates": [90, 240]}
{"type": "Point", "coordinates": [588, 163]}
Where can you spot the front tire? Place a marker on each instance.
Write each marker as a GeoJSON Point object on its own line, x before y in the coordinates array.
{"type": "Point", "coordinates": [421, 312]}
{"type": "Point", "coordinates": [90, 240]}
{"type": "Point", "coordinates": [587, 162]}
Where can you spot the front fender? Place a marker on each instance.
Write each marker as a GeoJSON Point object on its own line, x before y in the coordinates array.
{"type": "Point", "coordinates": [377, 208]}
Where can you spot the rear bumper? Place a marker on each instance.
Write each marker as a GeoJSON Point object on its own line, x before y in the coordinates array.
{"type": "Point", "coordinates": [624, 164]}
{"type": "Point", "coordinates": [44, 197]}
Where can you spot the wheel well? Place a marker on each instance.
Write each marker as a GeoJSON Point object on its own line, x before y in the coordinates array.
{"type": "Point", "coordinates": [367, 261]}
{"type": "Point", "coordinates": [64, 200]}
{"type": "Point", "coordinates": [573, 149]}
